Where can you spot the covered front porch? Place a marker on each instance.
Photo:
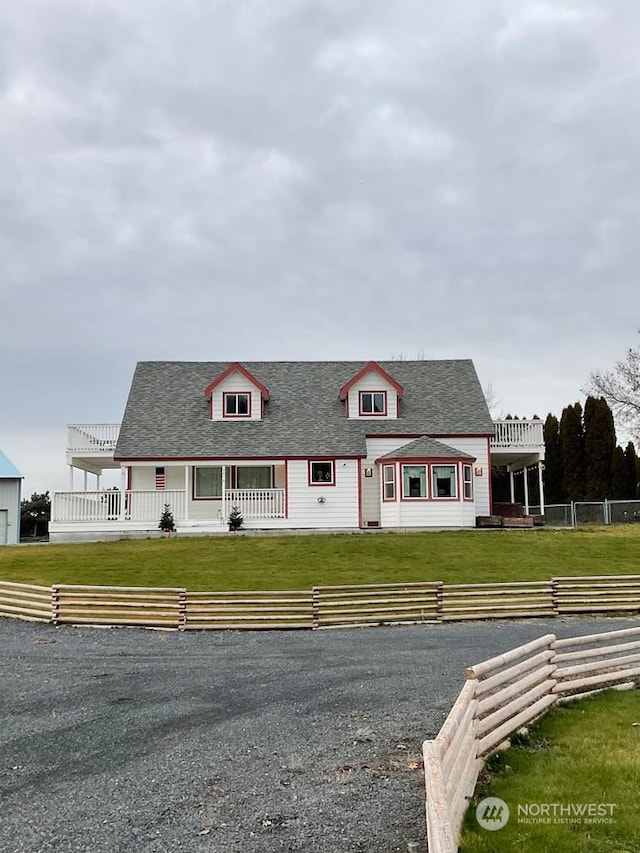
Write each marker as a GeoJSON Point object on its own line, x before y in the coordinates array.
{"type": "Point", "coordinates": [517, 457]}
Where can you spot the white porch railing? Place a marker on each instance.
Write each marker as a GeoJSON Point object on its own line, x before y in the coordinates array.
{"type": "Point", "coordinates": [114, 505]}
{"type": "Point", "coordinates": [256, 503]}
{"type": "Point", "coordinates": [92, 438]}
{"type": "Point", "coordinates": [518, 434]}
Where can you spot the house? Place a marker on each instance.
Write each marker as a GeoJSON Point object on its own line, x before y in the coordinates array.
{"type": "Point", "coordinates": [331, 445]}
{"type": "Point", "coordinates": [10, 486]}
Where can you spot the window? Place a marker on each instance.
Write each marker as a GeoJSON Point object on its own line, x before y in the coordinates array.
{"type": "Point", "coordinates": [467, 483]}
{"type": "Point", "coordinates": [321, 473]}
{"type": "Point", "coordinates": [444, 481]}
{"type": "Point", "coordinates": [389, 483]}
{"type": "Point", "coordinates": [253, 477]}
{"type": "Point", "coordinates": [207, 482]}
{"type": "Point", "coordinates": [373, 402]}
{"type": "Point", "coordinates": [414, 483]}
{"type": "Point", "coordinates": [237, 405]}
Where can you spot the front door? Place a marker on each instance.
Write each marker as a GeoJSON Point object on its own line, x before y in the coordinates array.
{"type": "Point", "coordinates": [370, 485]}
{"type": "Point", "coordinates": [4, 523]}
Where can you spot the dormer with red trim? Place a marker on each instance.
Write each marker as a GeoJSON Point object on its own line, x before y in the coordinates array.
{"type": "Point", "coordinates": [371, 393]}
{"type": "Point", "coordinates": [236, 395]}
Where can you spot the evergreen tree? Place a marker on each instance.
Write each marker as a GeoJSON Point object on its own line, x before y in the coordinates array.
{"type": "Point", "coordinates": [166, 519]}
{"type": "Point", "coordinates": [553, 471]}
{"type": "Point", "coordinates": [599, 445]}
{"type": "Point", "coordinates": [619, 476]}
{"type": "Point", "coordinates": [572, 442]}
{"type": "Point", "coordinates": [632, 465]}
{"type": "Point", "coordinates": [35, 515]}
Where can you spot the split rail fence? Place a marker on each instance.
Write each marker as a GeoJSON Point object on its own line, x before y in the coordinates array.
{"type": "Point", "coordinates": [320, 607]}
{"type": "Point", "coordinates": [505, 693]}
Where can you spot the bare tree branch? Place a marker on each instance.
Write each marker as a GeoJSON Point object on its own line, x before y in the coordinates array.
{"type": "Point", "coordinates": [621, 389]}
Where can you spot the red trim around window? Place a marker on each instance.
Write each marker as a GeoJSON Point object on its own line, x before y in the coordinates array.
{"type": "Point", "coordinates": [424, 465]}
{"type": "Point", "coordinates": [382, 414]}
{"type": "Point", "coordinates": [331, 462]}
{"type": "Point", "coordinates": [385, 499]}
{"type": "Point", "coordinates": [470, 467]}
{"type": "Point", "coordinates": [226, 394]}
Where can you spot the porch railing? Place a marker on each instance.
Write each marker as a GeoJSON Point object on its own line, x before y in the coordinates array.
{"type": "Point", "coordinates": [114, 505]}
{"type": "Point", "coordinates": [257, 503]}
{"type": "Point", "coordinates": [92, 438]}
{"type": "Point", "coordinates": [518, 434]}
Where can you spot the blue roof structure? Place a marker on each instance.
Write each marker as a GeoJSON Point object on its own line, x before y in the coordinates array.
{"type": "Point", "coordinates": [7, 469]}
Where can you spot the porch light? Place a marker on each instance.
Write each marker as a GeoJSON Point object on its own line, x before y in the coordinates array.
{"type": "Point", "coordinates": [478, 470]}
{"type": "Point", "coordinates": [368, 472]}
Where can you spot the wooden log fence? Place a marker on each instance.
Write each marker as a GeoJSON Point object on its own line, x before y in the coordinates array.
{"type": "Point", "coordinates": [505, 693]}
{"type": "Point", "coordinates": [321, 607]}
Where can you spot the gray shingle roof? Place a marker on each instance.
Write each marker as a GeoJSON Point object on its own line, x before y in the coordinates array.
{"type": "Point", "coordinates": [167, 415]}
{"type": "Point", "coordinates": [426, 447]}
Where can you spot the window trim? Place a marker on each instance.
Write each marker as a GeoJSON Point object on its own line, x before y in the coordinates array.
{"type": "Point", "coordinates": [424, 465]}
{"type": "Point", "coordinates": [372, 414]}
{"type": "Point", "coordinates": [194, 480]}
{"type": "Point", "coordinates": [311, 463]}
{"type": "Point", "coordinates": [225, 397]}
{"type": "Point", "coordinates": [391, 482]}
{"type": "Point", "coordinates": [468, 482]}
{"type": "Point", "coordinates": [456, 471]}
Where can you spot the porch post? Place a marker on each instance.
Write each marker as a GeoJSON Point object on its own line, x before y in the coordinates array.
{"type": "Point", "coordinates": [97, 482]}
{"type": "Point", "coordinates": [525, 474]}
{"type": "Point", "coordinates": [224, 488]}
{"type": "Point", "coordinates": [512, 487]}
{"type": "Point", "coordinates": [541, 487]}
{"type": "Point", "coordinates": [70, 478]}
{"type": "Point", "coordinates": [186, 492]}
{"type": "Point", "coordinates": [123, 493]}
{"type": "Point", "coordinates": [84, 480]}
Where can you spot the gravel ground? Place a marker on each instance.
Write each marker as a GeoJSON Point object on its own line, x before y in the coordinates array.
{"type": "Point", "coordinates": [131, 740]}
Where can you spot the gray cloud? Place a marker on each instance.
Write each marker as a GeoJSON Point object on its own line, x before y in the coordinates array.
{"type": "Point", "coordinates": [299, 180]}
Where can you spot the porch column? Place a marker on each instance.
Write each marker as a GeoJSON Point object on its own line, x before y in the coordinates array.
{"type": "Point", "coordinates": [224, 488]}
{"type": "Point", "coordinates": [84, 480]}
{"type": "Point", "coordinates": [97, 482]}
{"type": "Point", "coordinates": [70, 478]}
{"type": "Point", "coordinates": [525, 474]}
{"type": "Point", "coordinates": [186, 492]}
{"type": "Point", "coordinates": [541, 487]}
{"type": "Point", "coordinates": [512, 487]}
{"type": "Point", "coordinates": [123, 493]}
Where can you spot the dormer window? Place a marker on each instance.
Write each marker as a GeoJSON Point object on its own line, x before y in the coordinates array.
{"type": "Point", "coordinates": [236, 405]}
{"type": "Point", "coordinates": [373, 403]}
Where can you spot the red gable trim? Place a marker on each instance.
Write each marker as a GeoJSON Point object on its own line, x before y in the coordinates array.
{"type": "Point", "coordinates": [371, 366]}
{"type": "Point", "coordinates": [236, 367]}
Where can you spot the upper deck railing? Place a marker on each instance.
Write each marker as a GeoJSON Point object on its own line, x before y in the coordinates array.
{"type": "Point", "coordinates": [518, 434]}
{"type": "Point", "coordinates": [92, 438]}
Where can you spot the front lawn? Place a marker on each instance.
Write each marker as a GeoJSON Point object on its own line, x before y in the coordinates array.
{"type": "Point", "coordinates": [581, 761]}
{"type": "Point", "coordinates": [300, 562]}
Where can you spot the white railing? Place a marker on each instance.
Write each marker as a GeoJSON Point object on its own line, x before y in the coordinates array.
{"type": "Point", "coordinates": [114, 505]}
{"type": "Point", "coordinates": [518, 434]}
{"type": "Point", "coordinates": [257, 503]}
{"type": "Point", "coordinates": [92, 438]}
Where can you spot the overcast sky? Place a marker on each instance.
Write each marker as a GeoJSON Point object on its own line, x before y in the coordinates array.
{"type": "Point", "coordinates": [311, 179]}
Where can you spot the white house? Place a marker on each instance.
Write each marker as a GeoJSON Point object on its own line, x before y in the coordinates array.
{"type": "Point", "coordinates": [295, 445]}
{"type": "Point", "coordinates": [10, 486]}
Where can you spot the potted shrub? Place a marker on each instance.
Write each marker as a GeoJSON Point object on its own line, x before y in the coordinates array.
{"type": "Point", "coordinates": [235, 519]}
{"type": "Point", "coordinates": [167, 524]}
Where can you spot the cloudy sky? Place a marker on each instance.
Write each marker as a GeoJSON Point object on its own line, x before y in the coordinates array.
{"type": "Point", "coordinates": [311, 179]}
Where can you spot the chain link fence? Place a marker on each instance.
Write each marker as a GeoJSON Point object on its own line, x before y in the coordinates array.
{"type": "Point", "coordinates": [590, 512]}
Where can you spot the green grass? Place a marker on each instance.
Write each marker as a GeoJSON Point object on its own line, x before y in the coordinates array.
{"type": "Point", "coordinates": [584, 752]}
{"type": "Point", "coordinates": [300, 562]}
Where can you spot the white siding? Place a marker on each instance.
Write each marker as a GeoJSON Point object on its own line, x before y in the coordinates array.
{"type": "Point", "coordinates": [10, 500]}
{"type": "Point", "coordinates": [372, 381]}
{"type": "Point", "coordinates": [340, 508]}
{"type": "Point", "coordinates": [233, 383]}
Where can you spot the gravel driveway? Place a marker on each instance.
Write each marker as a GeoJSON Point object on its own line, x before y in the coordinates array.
{"type": "Point", "coordinates": [132, 740]}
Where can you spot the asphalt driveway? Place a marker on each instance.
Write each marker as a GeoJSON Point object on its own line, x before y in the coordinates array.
{"type": "Point", "coordinates": [132, 740]}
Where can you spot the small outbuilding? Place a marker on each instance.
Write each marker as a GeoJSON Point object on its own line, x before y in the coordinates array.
{"type": "Point", "coordinates": [10, 487]}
